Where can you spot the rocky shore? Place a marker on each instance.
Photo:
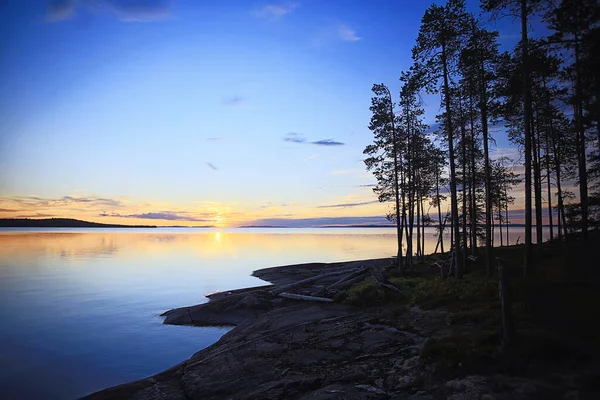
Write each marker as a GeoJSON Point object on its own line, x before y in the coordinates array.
{"type": "Point", "coordinates": [282, 348]}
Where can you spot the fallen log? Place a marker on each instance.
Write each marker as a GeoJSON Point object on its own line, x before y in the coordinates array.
{"type": "Point", "coordinates": [304, 297]}
{"type": "Point", "coordinates": [312, 279]}
{"type": "Point", "coordinates": [346, 278]}
{"type": "Point", "coordinates": [349, 282]}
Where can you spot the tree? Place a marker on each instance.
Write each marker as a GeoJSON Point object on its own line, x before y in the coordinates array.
{"type": "Point", "coordinates": [435, 54]}
{"type": "Point", "coordinates": [477, 64]}
{"type": "Point", "coordinates": [384, 159]}
{"type": "Point", "coordinates": [573, 21]}
{"type": "Point", "coordinates": [523, 9]}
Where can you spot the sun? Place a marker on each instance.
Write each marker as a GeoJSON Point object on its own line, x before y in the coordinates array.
{"type": "Point", "coordinates": [219, 221]}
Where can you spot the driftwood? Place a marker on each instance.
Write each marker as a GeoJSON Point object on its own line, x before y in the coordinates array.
{"type": "Point", "coordinates": [312, 279]}
{"type": "Point", "coordinates": [340, 284]}
{"type": "Point", "coordinates": [304, 297]}
{"type": "Point", "coordinates": [349, 282]}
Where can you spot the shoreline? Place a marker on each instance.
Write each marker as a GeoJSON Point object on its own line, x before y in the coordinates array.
{"type": "Point", "coordinates": [263, 326]}
{"type": "Point", "coordinates": [439, 341]}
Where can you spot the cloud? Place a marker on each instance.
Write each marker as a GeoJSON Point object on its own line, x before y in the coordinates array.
{"type": "Point", "coordinates": [34, 201]}
{"type": "Point", "coordinates": [512, 153]}
{"type": "Point", "coordinates": [275, 11]}
{"type": "Point", "coordinates": [211, 165]}
{"type": "Point", "coordinates": [328, 142]}
{"type": "Point", "coordinates": [36, 215]}
{"type": "Point", "coordinates": [234, 101]}
{"type": "Point", "coordinates": [213, 139]}
{"type": "Point", "coordinates": [60, 10]}
{"type": "Point", "coordinates": [346, 205]}
{"type": "Point", "coordinates": [347, 34]}
{"type": "Point", "coordinates": [125, 10]}
{"type": "Point", "coordinates": [160, 215]}
{"type": "Point", "coordinates": [310, 157]}
{"type": "Point", "coordinates": [319, 222]}
{"type": "Point", "coordinates": [294, 138]}
{"type": "Point", "coordinates": [140, 10]}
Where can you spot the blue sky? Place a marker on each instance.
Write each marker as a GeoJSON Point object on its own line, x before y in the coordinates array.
{"type": "Point", "coordinates": [197, 112]}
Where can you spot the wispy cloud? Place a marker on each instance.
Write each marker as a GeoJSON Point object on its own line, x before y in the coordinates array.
{"type": "Point", "coordinates": [347, 34]}
{"type": "Point", "coordinates": [346, 205]}
{"type": "Point", "coordinates": [125, 10]}
{"type": "Point", "coordinates": [214, 139]}
{"type": "Point", "coordinates": [36, 215]}
{"type": "Point", "coordinates": [35, 201]}
{"type": "Point", "coordinates": [275, 11]}
{"type": "Point", "coordinates": [294, 138]}
{"type": "Point", "coordinates": [160, 215]}
{"type": "Point", "coordinates": [234, 101]}
{"type": "Point", "coordinates": [511, 152]}
{"type": "Point", "coordinates": [60, 10]}
{"type": "Point", "coordinates": [239, 102]}
{"type": "Point", "coordinates": [319, 222]}
{"type": "Point", "coordinates": [328, 142]}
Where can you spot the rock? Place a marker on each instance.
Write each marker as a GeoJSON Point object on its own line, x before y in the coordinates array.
{"type": "Point", "coordinates": [371, 389]}
{"type": "Point", "coordinates": [421, 395]}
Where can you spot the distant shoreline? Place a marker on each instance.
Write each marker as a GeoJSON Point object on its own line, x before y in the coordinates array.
{"type": "Point", "coordinates": [75, 223]}
{"type": "Point", "coordinates": [60, 223]}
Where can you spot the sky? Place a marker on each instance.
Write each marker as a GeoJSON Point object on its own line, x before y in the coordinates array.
{"type": "Point", "coordinates": [198, 112]}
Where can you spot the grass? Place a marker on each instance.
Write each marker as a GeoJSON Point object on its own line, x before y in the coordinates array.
{"type": "Point", "coordinates": [554, 311]}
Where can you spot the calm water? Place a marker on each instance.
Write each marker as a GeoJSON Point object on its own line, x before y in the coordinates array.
{"type": "Point", "coordinates": [80, 308]}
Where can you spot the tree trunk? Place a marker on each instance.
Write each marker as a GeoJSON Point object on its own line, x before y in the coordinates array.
{"type": "Point", "coordinates": [396, 186]}
{"type": "Point", "coordinates": [527, 268]}
{"type": "Point", "coordinates": [453, 199]}
{"type": "Point", "coordinates": [422, 233]}
{"type": "Point", "coordinates": [486, 165]}
{"type": "Point", "coordinates": [472, 193]}
{"type": "Point", "coordinates": [463, 138]}
{"type": "Point", "coordinates": [437, 191]}
{"type": "Point", "coordinates": [507, 225]}
{"type": "Point", "coordinates": [549, 187]}
{"type": "Point", "coordinates": [549, 135]}
{"type": "Point", "coordinates": [583, 191]}
{"type": "Point", "coordinates": [537, 181]}
{"type": "Point", "coordinates": [561, 206]}
{"type": "Point", "coordinates": [418, 201]}
{"type": "Point", "coordinates": [500, 225]}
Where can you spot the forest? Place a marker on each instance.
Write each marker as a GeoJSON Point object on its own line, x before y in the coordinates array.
{"type": "Point", "coordinates": [543, 95]}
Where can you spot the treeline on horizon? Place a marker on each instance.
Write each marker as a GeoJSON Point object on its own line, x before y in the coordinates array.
{"type": "Point", "coordinates": [60, 223]}
{"type": "Point", "coordinates": [544, 93]}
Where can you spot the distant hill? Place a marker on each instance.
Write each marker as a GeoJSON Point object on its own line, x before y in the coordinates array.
{"type": "Point", "coordinates": [60, 223]}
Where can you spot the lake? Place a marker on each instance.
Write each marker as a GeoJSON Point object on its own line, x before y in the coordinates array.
{"type": "Point", "coordinates": [80, 307]}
